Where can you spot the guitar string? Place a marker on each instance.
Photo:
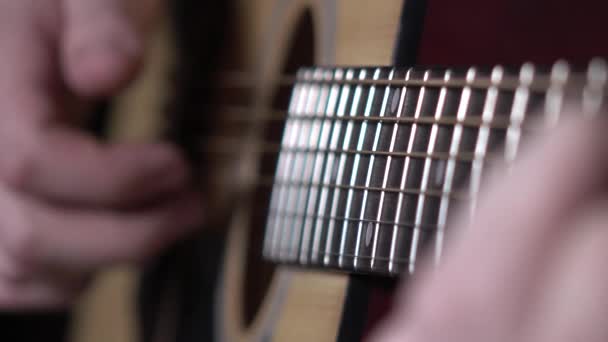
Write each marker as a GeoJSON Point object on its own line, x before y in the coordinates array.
{"type": "Point", "coordinates": [269, 181]}
{"type": "Point", "coordinates": [238, 114]}
{"type": "Point", "coordinates": [410, 225]}
{"type": "Point", "coordinates": [281, 117]}
{"type": "Point", "coordinates": [276, 148]}
{"type": "Point", "coordinates": [541, 83]}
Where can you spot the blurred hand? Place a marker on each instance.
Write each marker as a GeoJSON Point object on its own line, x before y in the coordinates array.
{"type": "Point", "coordinates": [530, 266]}
{"type": "Point", "coordinates": [68, 204]}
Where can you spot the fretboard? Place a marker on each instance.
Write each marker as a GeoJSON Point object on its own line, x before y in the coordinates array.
{"type": "Point", "coordinates": [374, 162]}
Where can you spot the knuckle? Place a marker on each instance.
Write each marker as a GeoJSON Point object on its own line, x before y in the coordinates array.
{"type": "Point", "coordinates": [122, 183]}
{"type": "Point", "coordinates": [147, 245]}
{"type": "Point", "coordinates": [13, 270]}
{"type": "Point", "coordinates": [18, 166]}
{"type": "Point", "coordinates": [123, 189]}
{"type": "Point", "coordinates": [144, 249]}
{"type": "Point", "coordinates": [130, 182]}
{"type": "Point", "coordinates": [21, 238]}
{"type": "Point", "coordinates": [141, 241]}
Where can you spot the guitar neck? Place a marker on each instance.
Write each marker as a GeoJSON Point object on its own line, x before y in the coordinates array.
{"type": "Point", "coordinates": [375, 161]}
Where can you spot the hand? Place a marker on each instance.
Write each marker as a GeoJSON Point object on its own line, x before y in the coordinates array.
{"type": "Point", "coordinates": [531, 265]}
{"type": "Point", "coordinates": [69, 204]}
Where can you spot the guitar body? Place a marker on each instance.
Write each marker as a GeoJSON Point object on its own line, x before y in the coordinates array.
{"type": "Point", "coordinates": [232, 60]}
{"type": "Point", "coordinates": [296, 305]}
{"type": "Point", "coordinates": [264, 45]}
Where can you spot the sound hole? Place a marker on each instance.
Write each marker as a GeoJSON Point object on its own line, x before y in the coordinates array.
{"type": "Point", "coordinates": [258, 274]}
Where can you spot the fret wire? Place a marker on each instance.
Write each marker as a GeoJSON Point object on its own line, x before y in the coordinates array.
{"type": "Point", "coordinates": [357, 157]}
{"type": "Point", "coordinates": [300, 168]}
{"type": "Point", "coordinates": [317, 166]}
{"type": "Point", "coordinates": [384, 106]}
{"type": "Point", "coordinates": [303, 192]}
{"type": "Point", "coordinates": [287, 165]}
{"type": "Point", "coordinates": [481, 145]}
{"type": "Point", "coordinates": [404, 92]}
{"type": "Point", "coordinates": [597, 75]}
{"type": "Point", "coordinates": [273, 228]}
{"type": "Point", "coordinates": [356, 161]}
{"type": "Point", "coordinates": [406, 174]}
{"type": "Point", "coordinates": [444, 204]}
{"type": "Point", "coordinates": [592, 96]}
{"type": "Point", "coordinates": [411, 225]}
{"type": "Point", "coordinates": [555, 95]}
{"type": "Point", "coordinates": [274, 224]}
{"type": "Point", "coordinates": [269, 234]}
{"type": "Point", "coordinates": [427, 162]}
{"type": "Point", "coordinates": [520, 103]}
{"type": "Point", "coordinates": [341, 162]}
{"type": "Point", "coordinates": [336, 127]}
{"type": "Point", "coordinates": [283, 223]}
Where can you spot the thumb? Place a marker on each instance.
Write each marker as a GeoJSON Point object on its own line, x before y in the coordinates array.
{"type": "Point", "coordinates": [101, 46]}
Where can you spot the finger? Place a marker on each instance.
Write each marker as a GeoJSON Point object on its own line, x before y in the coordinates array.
{"type": "Point", "coordinates": [27, 78]}
{"type": "Point", "coordinates": [70, 166]}
{"type": "Point", "coordinates": [27, 102]}
{"type": "Point", "coordinates": [520, 217]}
{"type": "Point", "coordinates": [45, 237]}
{"type": "Point", "coordinates": [101, 46]}
{"type": "Point", "coordinates": [574, 298]}
{"type": "Point", "coordinates": [22, 289]}
{"type": "Point", "coordinates": [516, 226]}
{"type": "Point", "coordinates": [25, 296]}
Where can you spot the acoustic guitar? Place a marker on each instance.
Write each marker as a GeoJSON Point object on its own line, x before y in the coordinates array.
{"type": "Point", "coordinates": [336, 139]}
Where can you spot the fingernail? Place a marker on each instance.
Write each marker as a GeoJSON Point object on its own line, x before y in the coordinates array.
{"type": "Point", "coordinates": [104, 67]}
